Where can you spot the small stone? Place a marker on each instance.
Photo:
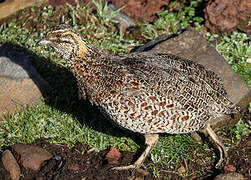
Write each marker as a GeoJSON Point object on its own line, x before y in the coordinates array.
{"type": "Point", "coordinates": [11, 165]}
{"type": "Point", "coordinates": [74, 167]}
{"type": "Point", "coordinates": [193, 177]}
{"type": "Point", "coordinates": [30, 156]}
{"type": "Point", "coordinates": [230, 176]}
{"type": "Point", "coordinates": [229, 168]}
{"type": "Point", "coordinates": [113, 156]}
{"type": "Point", "coordinates": [249, 60]}
{"type": "Point", "coordinates": [196, 137]}
{"type": "Point", "coordinates": [181, 170]}
{"type": "Point", "coordinates": [143, 172]}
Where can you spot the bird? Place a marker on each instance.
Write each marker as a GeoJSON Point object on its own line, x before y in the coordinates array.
{"type": "Point", "coordinates": [149, 93]}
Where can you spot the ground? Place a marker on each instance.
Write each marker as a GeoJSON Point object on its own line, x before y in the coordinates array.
{"type": "Point", "coordinates": [77, 165]}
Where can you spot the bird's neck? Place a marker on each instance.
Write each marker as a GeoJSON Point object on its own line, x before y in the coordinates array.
{"type": "Point", "coordinates": [91, 62]}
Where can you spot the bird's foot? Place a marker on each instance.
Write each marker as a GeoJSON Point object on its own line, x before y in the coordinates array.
{"type": "Point", "coordinates": [151, 140]}
{"type": "Point", "coordinates": [219, 163]}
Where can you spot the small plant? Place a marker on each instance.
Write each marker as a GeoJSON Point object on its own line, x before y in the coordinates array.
{"type": "Point", "coordinates": [47, 10]}
{"type": "Point", "coordinates": [236, 49]}
{"type": "Point", "coordinates": [155, 170]}
{"type": "Point", "coordinates": [241, 129]}
{"type": "Point", "coordinates": [104, 13]}
{"type": "Point", "coordinates": [172, 22]}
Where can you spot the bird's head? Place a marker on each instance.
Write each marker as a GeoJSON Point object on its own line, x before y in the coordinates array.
{"type": "Point", "coordinates": [66, 41]}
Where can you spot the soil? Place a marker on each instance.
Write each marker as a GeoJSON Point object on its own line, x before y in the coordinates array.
{"type": "Point", "coordinates": [77, 163]}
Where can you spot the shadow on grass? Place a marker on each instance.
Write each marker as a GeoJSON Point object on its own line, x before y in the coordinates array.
{"type": "Point", "coordinates": [64, 93]}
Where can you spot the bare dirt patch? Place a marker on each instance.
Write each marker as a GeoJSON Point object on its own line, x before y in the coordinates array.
{"type": "Point", "coordinates": [77, 163]}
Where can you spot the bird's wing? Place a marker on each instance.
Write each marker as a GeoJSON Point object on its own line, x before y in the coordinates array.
{"type": "Point", "coordinates": [181, 81]}
{"type": "Point", "coordinates": [166, 62]}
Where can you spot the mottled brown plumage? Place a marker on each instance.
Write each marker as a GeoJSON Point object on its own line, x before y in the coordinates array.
{"type": "Point", "coordinates": [147, 93]}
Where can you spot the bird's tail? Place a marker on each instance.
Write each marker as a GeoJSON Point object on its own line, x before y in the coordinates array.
{"type": "Point", "coordinates": [231, 108]}
{"type": "Point", "coordinates": [225, 106]}
{"type": "Point", "coordinates": [234, 109]}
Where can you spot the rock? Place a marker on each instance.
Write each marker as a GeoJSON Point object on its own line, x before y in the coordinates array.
{"type": "Point", "coordinates": [30, 156]}
{"type": "Point", "coordinates": [20, 83]}
{"type": "Point", "coordinates": [181, 170]}
{"type": "Point", "coordinates": [228, 15]}
{"type": "Point", "coordinates": [9, 7]}
{"type": "Point", "coordinates": [124, 21]}
{"type": "Point", "coordinates": [141, 9]}
{"type": "Point", "coordinates": [229, 168]}
{"type": "Point", "coordinates": [191, 45]}
{"type": "Point", "coordinates": [230, 176]}
{"type": "Point", "coordinates": [196, 137]}
{"type": "Point", "coordinates": [113, 156]}
{"type": "Point", "coordinates": [74, 167]}
{"type": "Point", "coordinates": [143, 172]}
{"type": "Point", "coordinates": [11, 165]}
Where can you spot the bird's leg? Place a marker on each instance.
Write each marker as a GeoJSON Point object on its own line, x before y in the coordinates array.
{"type": "Point", "coordinates": [218, 143]}
{"type": "Point", "coordinates": [150, 141]}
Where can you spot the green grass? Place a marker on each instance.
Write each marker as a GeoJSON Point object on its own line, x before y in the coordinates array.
{"type": "Point", "coordinates": [236, 49]}
{"type": "Point", "coordinates": [169, 22]}
{"type": "Point", "coordinates": [63, 118]}
{"type": "Point", "coordinates": [49, 122]}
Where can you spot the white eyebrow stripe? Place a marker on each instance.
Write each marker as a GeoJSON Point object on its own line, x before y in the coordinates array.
{"type": "Point", "coordinates": [67, 39]}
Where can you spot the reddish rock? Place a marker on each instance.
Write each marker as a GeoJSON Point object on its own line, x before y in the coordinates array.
{"type": "Point", "coordinates": [11, 165]}
{"type": "Point", "coordinates": [181, 170]}
{"type": "Point", "coordinates": [228, 15]}
{"type": "Point", "coordinates": [113, 156]}
{"type": "Point", "coordinates": [143, 172]}
{"type": "Point", "coordinates": [30, 156]}
{"type": "Point", "coordinates": [229, 168]}
{"type": "Point", "coordinates": [229, 176]}
{"type": "Point", "coordinates": [74, 167]}
{"type": "Point", "coordinates": [141, 9]}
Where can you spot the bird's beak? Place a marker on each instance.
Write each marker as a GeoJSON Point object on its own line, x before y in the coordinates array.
{"type": "Point", "coordinates": [43, 42]}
